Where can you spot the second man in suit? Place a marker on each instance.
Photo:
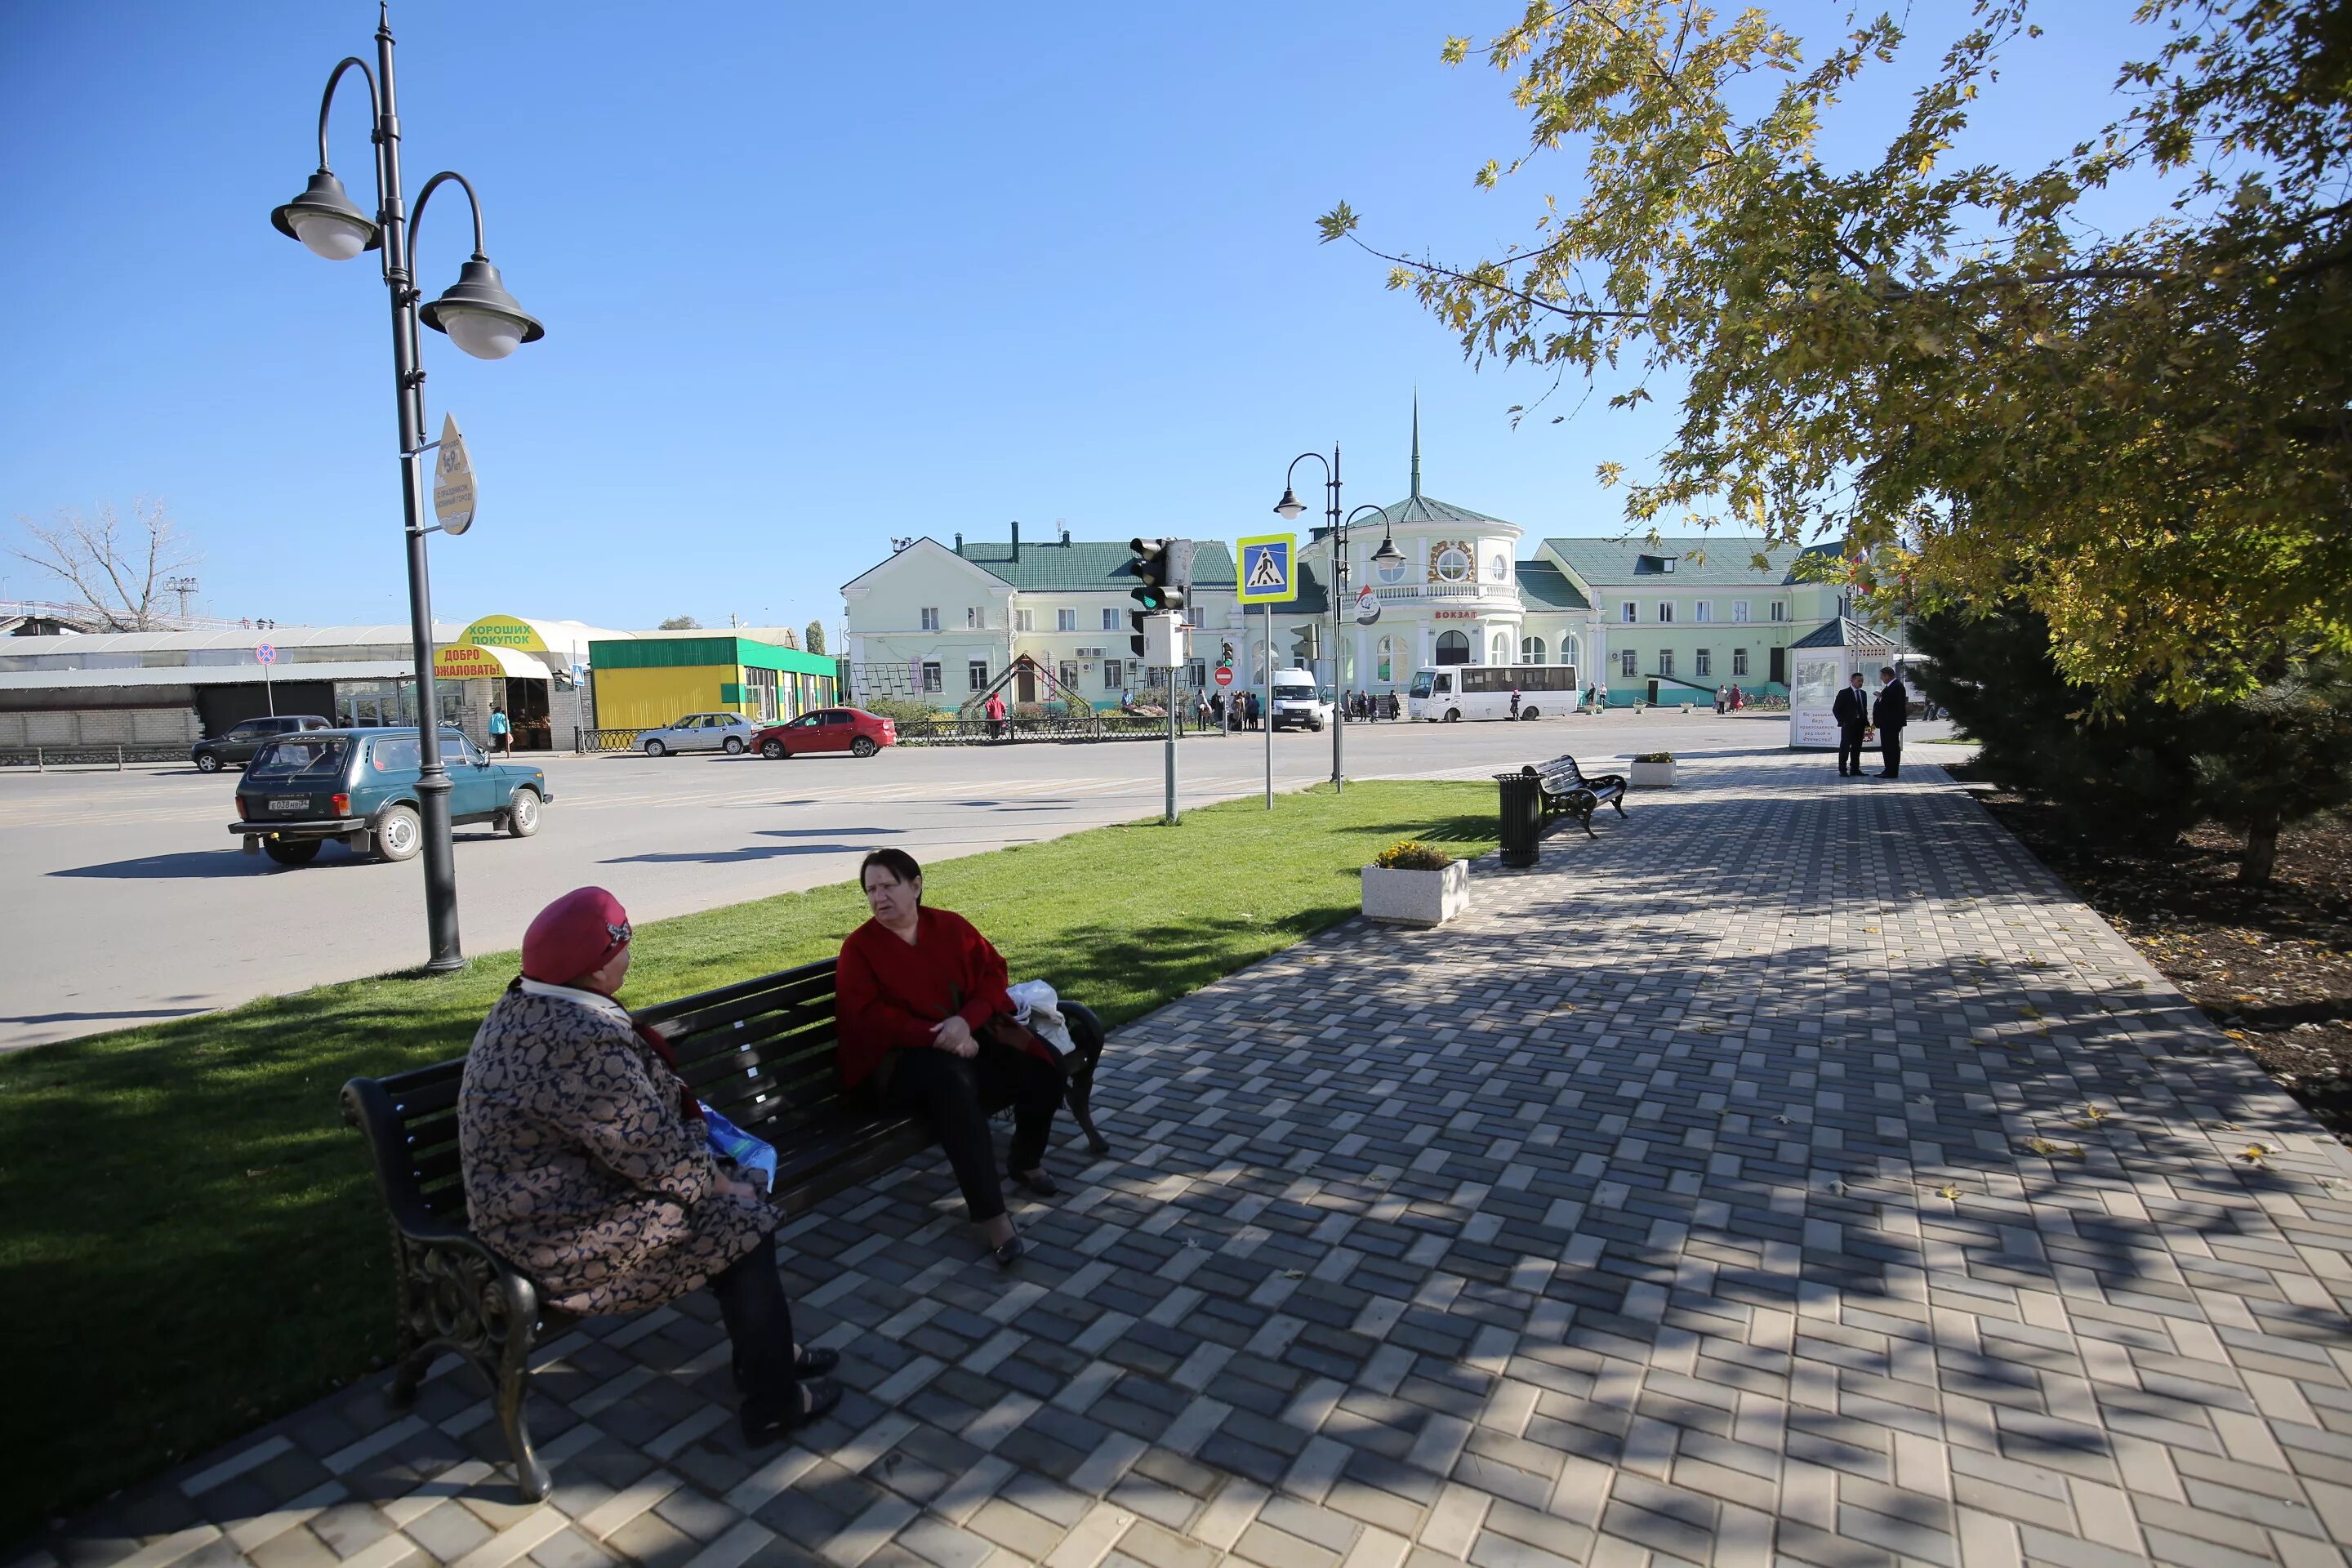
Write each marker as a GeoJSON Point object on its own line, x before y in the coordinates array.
{"type": "Point", "coordinates": [1890, 713]}
{"type": "Point", "coordinates": [1852, 711]}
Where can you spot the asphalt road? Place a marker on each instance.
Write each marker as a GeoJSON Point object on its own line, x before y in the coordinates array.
{"type": "Point", "coordinates": [128, 900]}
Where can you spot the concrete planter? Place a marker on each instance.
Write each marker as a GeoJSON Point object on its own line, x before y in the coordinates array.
{"type": "Point", "coordinates": [1416, 898]}
{"type": "Point", "coordinates": [1652, 775]}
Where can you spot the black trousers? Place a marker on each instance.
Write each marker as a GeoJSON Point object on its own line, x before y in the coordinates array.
{"type": "Point", "coordinates": [947, 1093]}
{"type": "Point", "coordinates": [1850, 748]}
{"type": "Point", "coordinates": [1890, 749]}
{"type": "Point", "coordinates": [759, 1329]}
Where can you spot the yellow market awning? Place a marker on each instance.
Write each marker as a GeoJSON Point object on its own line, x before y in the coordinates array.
{"type": "Point", "coordinates": [465, 661]}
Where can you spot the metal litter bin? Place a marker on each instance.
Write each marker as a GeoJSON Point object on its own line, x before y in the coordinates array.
{"type": "Point", "coordinates": [1522, 809]}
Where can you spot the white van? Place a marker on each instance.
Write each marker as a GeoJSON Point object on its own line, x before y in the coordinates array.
{"type": "Point", "coordinates": [1297, 702]}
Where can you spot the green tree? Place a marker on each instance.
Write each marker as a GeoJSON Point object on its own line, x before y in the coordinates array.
{"type": "Point", "coordinates": [815, 641]}
{"type": "Point", "coordinates": [681, 623]}
{"type": "Point", "coordinates": [2144, 434]}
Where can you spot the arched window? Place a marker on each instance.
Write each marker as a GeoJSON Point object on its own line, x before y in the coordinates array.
{"type": "Point", "coordinates": [1531, 651]}
{"type": "Point", "coordinates": [1453, 648]}
{"type": "Point", "coordinates": [1389, 655]}
{"type": "Point", "coordinates": [1499, 650]}
{"type": "Point", "coordinates": [1499, 568]}
{"type": "Point", "coordinates": [1568, 650]}
{"type": "Point", "coordinates": [1346, 662]}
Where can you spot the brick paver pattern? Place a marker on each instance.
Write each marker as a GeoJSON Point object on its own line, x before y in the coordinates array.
{"type": "Point", "coordinates": [1797, 1173]}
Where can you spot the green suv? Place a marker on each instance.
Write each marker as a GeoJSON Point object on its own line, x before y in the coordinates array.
{"type": "Point", "coordinates": [359, 785]}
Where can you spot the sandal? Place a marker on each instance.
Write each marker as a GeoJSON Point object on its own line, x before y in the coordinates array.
{"type": "Point", "coordinates": [817, 1398]}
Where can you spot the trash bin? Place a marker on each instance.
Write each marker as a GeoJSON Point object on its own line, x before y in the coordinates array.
{"type": "Point", "coordinates": [1522, 807]}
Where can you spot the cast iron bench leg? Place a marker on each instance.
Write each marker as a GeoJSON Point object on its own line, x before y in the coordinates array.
{"type": "Point", "coordinates": [1618, 800]}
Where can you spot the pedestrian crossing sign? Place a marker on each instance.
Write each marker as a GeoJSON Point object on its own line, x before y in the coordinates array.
{"type": "Point", "coordinates": [1269, 572]}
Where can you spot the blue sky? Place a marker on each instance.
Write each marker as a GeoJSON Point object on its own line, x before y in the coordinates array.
{"type": "Point", "coordinates": [811, 279]}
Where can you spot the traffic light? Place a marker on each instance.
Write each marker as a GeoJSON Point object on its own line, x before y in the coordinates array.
{"type": "Point", "coordinates": [1162, 568]}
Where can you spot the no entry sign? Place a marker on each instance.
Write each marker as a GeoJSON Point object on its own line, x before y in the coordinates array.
{"type": "Point", "coordinates": [1224, 675]}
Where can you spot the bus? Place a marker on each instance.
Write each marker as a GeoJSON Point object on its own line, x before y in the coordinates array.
{"type": "Point", "coordinates": [1451, 691]}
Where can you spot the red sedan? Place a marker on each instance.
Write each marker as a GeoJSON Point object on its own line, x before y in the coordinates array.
{"type": "Point", "coordinates": [851, 729]}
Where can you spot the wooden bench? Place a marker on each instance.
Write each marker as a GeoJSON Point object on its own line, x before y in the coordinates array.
{"type": "Point", "coordinates": [760, 1052]}
{"type": "Point", "coordinates": [1569, 791]}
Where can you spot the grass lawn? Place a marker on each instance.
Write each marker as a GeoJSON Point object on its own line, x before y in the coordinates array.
{"type": "Point", "coordinates": [191, 1245]}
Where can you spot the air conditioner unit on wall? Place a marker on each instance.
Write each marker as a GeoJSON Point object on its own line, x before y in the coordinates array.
{"type": "Point", "coordinates": [1091, 653]}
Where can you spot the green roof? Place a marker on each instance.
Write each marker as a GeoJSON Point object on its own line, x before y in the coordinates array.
{"type": "Point", "coordinates": [1844, 632]}
{"type": "Point", "coordinates": [1418, 508]}
{"type": "Point", "coordinates": [1545, 586]}
{"type": "Point", "coordinates": [713, 649]}
{"type": "Point", "coordinates": [1085, 566]}
{"type": "Point", "coordinates": [1724, 559]}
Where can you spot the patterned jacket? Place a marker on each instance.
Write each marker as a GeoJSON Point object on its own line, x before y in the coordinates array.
{"type": "Point", "coordinates": [579, 1169]}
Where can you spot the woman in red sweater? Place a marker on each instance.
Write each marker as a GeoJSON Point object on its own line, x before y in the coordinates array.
{"type": "Point", "coordinates": [914, 997]}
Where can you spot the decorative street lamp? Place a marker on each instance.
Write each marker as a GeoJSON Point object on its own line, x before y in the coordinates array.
{"type": "Point", "coordinates": [1288, 509]}
{"type": "Point", "coordinates": [480, 317]}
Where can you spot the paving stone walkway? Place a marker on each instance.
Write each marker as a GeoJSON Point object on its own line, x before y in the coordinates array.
{"type": "Point", "coordinates": [1795, 1175]}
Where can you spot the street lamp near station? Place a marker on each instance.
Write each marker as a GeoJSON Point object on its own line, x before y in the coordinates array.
{"type": "Point", "coordinates": [1289, 509]}
{"type": "Point", "coordinates": [480, 317]}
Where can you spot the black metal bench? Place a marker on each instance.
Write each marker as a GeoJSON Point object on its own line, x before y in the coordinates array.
{"type": "Point", "coordinates": [1569, 791]}
{"type": "Point", "coordinates": [761, 1052]}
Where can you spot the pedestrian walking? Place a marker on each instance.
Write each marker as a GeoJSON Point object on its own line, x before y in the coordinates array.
{"type": "Point", "coordinates": [1722, 699]}
{"type": "Point", "coordinates": [1852, 711]}
{"type": "Point", "coordinates": [1739, 700]}
{"type": "Point", "coordinates": [501, 731]}
{"type": "Point", "coordinates": [993, 711]}
{"type": "Point", "coordinates": [1890, 713]}
{"type": "Point", "coordinates": [587, 1163]}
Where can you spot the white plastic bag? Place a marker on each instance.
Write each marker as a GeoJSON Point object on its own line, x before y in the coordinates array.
{"type": "Point", "coordinates": [1034, 1004]}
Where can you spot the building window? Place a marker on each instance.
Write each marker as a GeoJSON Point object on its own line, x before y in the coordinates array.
{"type": "Point", "coordinates": [1531, 651]}
{"type": "Point", "coordinates": [1739, 609]}
{"type": "Point", "coordinates": [1779, 609]}
{"type": "Point", "coordinates": [1499, 650]}
{"type": "Point", "coordinates": [1627, 612]}
{"type": "Point", "coordinates": [1069, 672]}
{"type": "Point", "coordinates": [1196, 673]}
{"type": "Point", "coordinates": [1738, 662]}
{"type": "Point", "coordinates": [1499, 568]}
{"type": "Point", "coordinates": [930, 613]}
{"type": "Point", "coordinates": [1567, 650]}
{"type": "Point", "coordinates": [1392, 572]}
{"type": "Point", "coordinates": [1114, 673]}
{"type": "Point", "coordinates": [1453, 648]}
{"type": "Point", "coordinates": [1452, 562]}
{"type": "Point", "coordinates": [1110, 620]}
{"type": "Point", "coordinates": [1385, 659]}
{"type": "Point", "coordinates": [1065, 620]}
{"type": "Point", "coordinates": [1628, 662]}
{"type": "Point", "coordinates": [931, 673]}
{"type": "Point", "coordinates": [976, 619]}
{"type": "Point", "coordinates": [1021, 621]}
{"type": "Point", "coordinates": [1703, 611]}
{"type": "Point", "coordinates": [1703, 663]}
{"type": "Point", "coordinates": [978, 668]}
{"type": "Point", "coordinates": [1666, 612]}
{"type": "Point", "coordinates": [1665, 662]}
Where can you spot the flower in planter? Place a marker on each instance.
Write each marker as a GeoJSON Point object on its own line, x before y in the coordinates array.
{"type": "Point", "coordinates": [1412, 855]}
{"type": "Point", "coordinates": [1655, 757]}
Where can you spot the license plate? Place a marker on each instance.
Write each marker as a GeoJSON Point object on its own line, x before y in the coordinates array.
{"type": "Point", "coordinates": [290, 805]}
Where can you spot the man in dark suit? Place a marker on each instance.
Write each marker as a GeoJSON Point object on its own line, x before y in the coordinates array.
{"type": "Point", "coordinates": [1890, 712]}
{"type": "Point", "coordinates": [1852, 711]}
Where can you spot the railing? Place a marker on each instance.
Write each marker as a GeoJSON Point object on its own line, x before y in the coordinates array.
{"type": "Point", "coordinates": [42, 758]}
{"type": "Point", "coordinates": [1445, 591]}
{"type": "Point", "coordinates": [948, 729]}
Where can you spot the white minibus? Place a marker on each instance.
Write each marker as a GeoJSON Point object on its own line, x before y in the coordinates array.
{"type": "Point", "coordinates": [1452, 691]}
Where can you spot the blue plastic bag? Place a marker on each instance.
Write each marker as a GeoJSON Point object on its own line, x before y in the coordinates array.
{"type": "Point", "coordinates": [729, 1142]}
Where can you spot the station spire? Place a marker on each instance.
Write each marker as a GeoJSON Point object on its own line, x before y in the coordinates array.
{"type": "Point", "coordinates": [1416, 441]}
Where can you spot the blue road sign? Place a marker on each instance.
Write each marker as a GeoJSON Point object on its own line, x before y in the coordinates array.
{"type": "Point", "coordinates": [1268, 574]}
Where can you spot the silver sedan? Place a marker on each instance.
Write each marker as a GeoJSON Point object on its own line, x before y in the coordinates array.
{"type": "Point", "coordinates": [728, 732]}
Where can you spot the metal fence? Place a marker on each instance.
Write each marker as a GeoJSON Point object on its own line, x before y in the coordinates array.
{"type": "Point", "coordinates": [949, 729]}
{"type": "Point", "coordinates": [42, 758]}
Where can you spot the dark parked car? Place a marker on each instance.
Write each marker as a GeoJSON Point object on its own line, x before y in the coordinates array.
{"type": "Point", "coordinates": [850, 729]}
{"type": "Point", "coordinates": [239, 744]}
{"type": "Point", "coordinates": [359, 785]}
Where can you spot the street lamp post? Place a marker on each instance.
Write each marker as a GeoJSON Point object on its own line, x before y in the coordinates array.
{"type": "Point", "coordinates": [480, 317]}
{"type": "Point", "coordinates": [1288, 509]}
